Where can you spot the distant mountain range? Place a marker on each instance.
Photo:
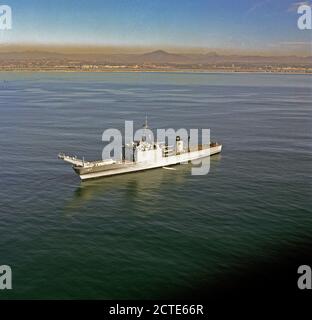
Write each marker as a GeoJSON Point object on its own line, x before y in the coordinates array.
{"type": "Point", "coordinates": [155, 57]}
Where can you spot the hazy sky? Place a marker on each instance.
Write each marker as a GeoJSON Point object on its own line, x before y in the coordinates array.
{"type": "Point", "coordinates": [262, 25]}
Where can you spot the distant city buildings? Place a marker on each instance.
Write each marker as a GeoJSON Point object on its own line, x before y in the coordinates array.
{"type": "Point", "coordinates": [155, 61]}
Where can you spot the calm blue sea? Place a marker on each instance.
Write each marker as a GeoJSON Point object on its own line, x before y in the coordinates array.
{"type": "Point", "coordinates": [151, 234]}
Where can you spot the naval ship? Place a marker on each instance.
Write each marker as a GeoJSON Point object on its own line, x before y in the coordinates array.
{"type": "Point", "coordinates": [141, 155]}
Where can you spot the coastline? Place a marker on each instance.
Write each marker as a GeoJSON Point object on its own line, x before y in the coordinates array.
{"type": "Point", "coordinates": [157, 71]}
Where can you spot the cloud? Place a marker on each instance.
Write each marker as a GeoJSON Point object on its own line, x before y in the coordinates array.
{"type": "Point", "coordinates": [295, 43]}
{"type": "Point", "coordinates": [294, 6]}
{"type": "Point", "coordinates": [290, 44]}
{"type": "Point", "coordinates": [257, 6]}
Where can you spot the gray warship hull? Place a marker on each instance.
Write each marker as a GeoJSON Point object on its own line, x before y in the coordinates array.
{"type": "Point", "coordinates": [99, 169]}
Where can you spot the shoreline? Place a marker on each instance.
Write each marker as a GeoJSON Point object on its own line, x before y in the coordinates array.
{"type": "Point", "coordinates": [157, 71]}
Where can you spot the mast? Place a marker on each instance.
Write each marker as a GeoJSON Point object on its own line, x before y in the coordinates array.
{"type": "Point", "coordinates": [145, 126]}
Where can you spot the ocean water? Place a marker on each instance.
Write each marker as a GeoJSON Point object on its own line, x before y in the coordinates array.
{"type": "Point", "coordinates": [159, 232]}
